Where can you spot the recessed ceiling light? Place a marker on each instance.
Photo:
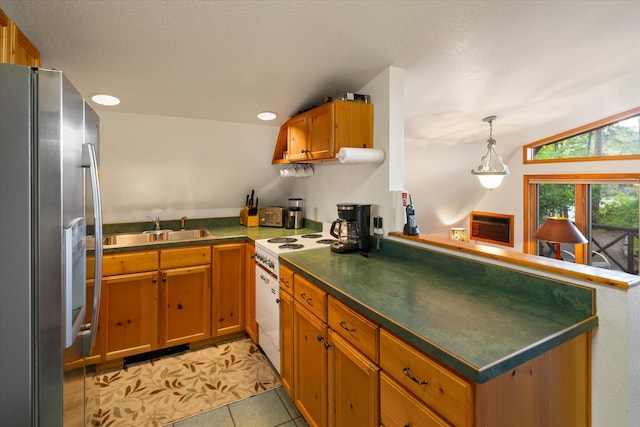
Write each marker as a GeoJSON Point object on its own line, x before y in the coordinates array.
{"type": "Point", "coordinates": [104, 99]}
{"type": "Point", "coordinates": [267, 115]}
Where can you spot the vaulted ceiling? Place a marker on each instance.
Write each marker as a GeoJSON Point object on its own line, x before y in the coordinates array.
{"type": "Point", "coordinates": [541, 66]}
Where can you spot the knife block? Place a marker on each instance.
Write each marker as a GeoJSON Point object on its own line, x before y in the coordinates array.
{"type": "Point", "coordinates": [248, 220]}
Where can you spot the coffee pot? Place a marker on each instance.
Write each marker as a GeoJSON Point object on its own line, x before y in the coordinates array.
{"type": "Point", "coordinates": [352, 228]}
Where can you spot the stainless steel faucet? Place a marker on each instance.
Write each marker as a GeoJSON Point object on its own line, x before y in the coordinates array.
{"type": "Point", "coordinates": [156, 221]}
{"type": "Point", "coordinates": [183, 220]}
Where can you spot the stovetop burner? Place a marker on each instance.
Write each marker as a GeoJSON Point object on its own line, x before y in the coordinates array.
{"type": "Point", "coordinates": [326, 241]}
{"type": "Point", "coordinates": [291, 245]}
{"type": "Point", "coordinates": [282, 240]}
{"type": "Point", "coordinates": [311, 236]}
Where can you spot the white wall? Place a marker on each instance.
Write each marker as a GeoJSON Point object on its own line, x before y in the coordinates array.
{"type": "Point", "coordinates": [170, 167]}
{"type": "Point", "coordinates": [445, 192]}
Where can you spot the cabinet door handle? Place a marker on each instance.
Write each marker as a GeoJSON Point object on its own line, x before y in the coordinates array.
{"type": "Point", "coordinates": [154, 280]}
{"type": "Point", "coordinates": [164, 279]}
{"type": "Point", "coordinates": [305, 297]}
{"type": "Point", "coordinates": [414, 379]}
{"type": "Point", "coordinates": [343, 324]}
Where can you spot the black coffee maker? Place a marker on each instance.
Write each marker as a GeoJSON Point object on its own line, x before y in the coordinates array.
{"type": "Point", "coordinates": [352, 228]}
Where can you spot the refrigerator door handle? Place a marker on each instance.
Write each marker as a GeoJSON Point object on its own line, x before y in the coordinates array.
{"type": "Point", "coordinates": [90, 331]}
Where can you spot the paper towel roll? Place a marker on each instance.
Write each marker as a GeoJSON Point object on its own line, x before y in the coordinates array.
{"type": "Point", "coordinates": [348, 155]}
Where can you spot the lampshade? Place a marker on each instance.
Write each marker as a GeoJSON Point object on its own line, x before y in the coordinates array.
{"type": "Point", "coordinates": [489, 176]}
{"type": "Point", "coordinates": [559, 230]}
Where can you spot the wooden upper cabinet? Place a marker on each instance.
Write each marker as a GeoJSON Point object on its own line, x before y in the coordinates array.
{"type": "Point", "coordinates": [16, 47]}
{"type": "Point", "coordinates": [318, 134]}
{"type": "Point", "coordinates": [296, 130]}
{"type": "Point", "coordinates": [321, 128]}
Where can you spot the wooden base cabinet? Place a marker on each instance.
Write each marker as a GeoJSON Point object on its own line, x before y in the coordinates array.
{"type": "Point", "coordinates": [228, 289]}
{"type": "Point", "coordinates": [349, 371]}
{"type": "Point", "coordinates": [185, 313]}
{"type": "Point", "coordinates": [310, 366]}
{"type": "Point", "coordinates": [185, 295]}
{"type": "Point", "coordinates": [353, 386]}
{"type": "Point", "coordinates": [130, 314]}
{"type": "Point", "coordinates": [551, 390]}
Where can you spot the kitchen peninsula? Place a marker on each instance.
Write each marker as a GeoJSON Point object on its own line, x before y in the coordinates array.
{"type": "Point", "coordinates": [501, 346]}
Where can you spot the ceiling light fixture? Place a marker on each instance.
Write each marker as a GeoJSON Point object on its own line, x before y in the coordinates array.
{"type": "Point", "coordinates": [267, 115]}
{"type": "Point", "coordinates": [104, 99]}
{"type": "Point", "coordinates": [489, 176]}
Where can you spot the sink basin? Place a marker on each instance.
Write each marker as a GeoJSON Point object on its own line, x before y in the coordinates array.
{"type": "Point", "coordinates": [129, 239]}
{"type": "Point", "coordinates": [188, 234]}
{"type": "Point", "coordinates": [154, 236]}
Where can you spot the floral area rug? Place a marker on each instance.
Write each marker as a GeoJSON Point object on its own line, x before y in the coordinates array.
{"type": "Point", "coordinates": [159, 392]}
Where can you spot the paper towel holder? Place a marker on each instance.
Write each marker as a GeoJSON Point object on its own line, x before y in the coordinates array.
{"type": "Point", "coordinates": [352, 155]}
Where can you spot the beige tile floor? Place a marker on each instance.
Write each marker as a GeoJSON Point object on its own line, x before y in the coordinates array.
{"type": "Point", "coordinates": [269, 409]}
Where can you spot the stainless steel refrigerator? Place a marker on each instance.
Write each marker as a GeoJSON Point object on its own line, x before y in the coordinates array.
{"type": "Point", "coordinates": [49, 198]}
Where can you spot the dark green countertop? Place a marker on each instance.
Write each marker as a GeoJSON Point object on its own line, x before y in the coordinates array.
{"type": "Point", "coordinates": [480, 320]}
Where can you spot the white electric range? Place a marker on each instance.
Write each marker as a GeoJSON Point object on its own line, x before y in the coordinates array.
{"type": "Point", "coordinates": [268, 284]}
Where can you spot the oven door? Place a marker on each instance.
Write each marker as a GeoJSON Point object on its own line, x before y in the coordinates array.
{"type": "Point", "coordinates": [268, 313]}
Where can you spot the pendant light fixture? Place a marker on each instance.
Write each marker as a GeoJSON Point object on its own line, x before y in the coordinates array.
{"type": "Point", "coordinates": [491, 177]}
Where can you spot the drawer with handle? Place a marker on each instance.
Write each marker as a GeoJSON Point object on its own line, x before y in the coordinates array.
{"type": "Point", "coordinates": [310, 296]}
{"type": "Point", "coordinates": [444, 391]}
{"type": "Point", "coordinates": [355, 328]}
{"type": "Point", "coordinates": [286, 279]}
{"type": "Point", "coordinates": [399, 408]}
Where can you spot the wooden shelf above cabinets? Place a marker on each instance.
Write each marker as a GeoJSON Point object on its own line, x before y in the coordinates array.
{"type": "Point", "coordinates": [318, 134]}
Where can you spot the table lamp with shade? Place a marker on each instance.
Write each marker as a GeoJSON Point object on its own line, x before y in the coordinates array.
{"type": "Point", "coordinates": [559, 230]}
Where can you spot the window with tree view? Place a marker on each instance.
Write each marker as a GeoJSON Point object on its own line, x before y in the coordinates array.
{"type": "Point", "coordinates": [619, 139]}
{"type": "Point", "coordinates": [605, 211]}
{"type": "Point", "coordinates": [604, 206]}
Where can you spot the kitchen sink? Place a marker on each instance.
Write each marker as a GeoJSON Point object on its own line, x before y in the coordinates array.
{"type": "Point", "coordinates": [154, 236]}
{"type": "Point", "coordinates": [188, 234]}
